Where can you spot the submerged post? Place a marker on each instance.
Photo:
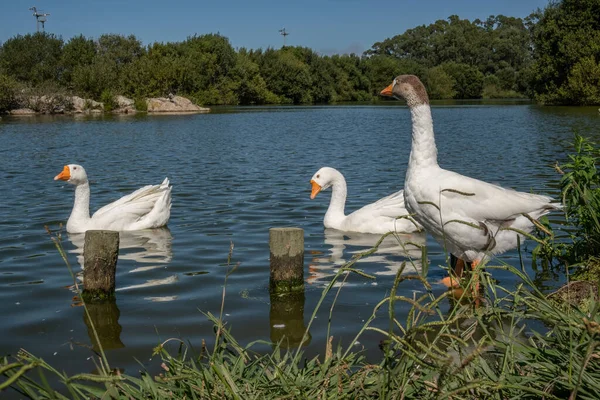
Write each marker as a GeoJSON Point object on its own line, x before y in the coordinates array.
{"type": "Point", "coordinates": [100, 253]}
{"type": "Point", "coordinates": [287, 259]}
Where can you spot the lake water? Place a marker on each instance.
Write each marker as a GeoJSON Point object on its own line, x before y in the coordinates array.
{"type": "Point", "coordinates": [236, 173]}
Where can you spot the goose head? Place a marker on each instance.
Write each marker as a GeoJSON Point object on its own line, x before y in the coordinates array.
{"type": "Point", "coordinates": [322, 179]}
{"type": "Point", "coordinates": [73, 174]}
{"type": "Point", "coordinates": [409, 88]}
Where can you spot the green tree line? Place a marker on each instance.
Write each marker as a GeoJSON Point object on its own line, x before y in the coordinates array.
{"type": "Point", "coordinates": [551, 56]}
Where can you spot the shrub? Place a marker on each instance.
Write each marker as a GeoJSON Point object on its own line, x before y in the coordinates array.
{"type": "Point", "coordinates": [580, 188]}
{"type": "Point", "coordinates": [580, 195]}
{"type": "Point", "coordinates": [108, 98]}
{"type": "Point", "coordinates": [8, 93]}
{"type": "Point", "coordinates": [140, 104]}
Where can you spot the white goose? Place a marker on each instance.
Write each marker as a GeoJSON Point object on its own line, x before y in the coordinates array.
{"type": "Point", "coordinates": [471, 218]}
{"type": "Point", "coordinates": [147, 207]}
{"type": "Point", "coordinates": [379, 217]}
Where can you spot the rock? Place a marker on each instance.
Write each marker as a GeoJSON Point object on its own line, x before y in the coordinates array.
{"type": "Point", "coordinates": [22, 112]}
{"type": "Point", "coordinates": [124, 105]}
{"type": "Point", "coordinates": [50, 104]}
{"type": "Point", "coordinates": [123, 101]}
{"type": "Point", "coordinates": [576, 293]}
{"type": "Point", "coordinates": [86, 105]}
{"type": "Point", "coordinates": [173, 104]}
{"type": "Point", "coordinates": [78, 104]}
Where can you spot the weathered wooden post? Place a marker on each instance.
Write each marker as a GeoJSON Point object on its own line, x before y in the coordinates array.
{"type": "Point", "coordinates": [100, 253]}
{"type": "Point", "coordinates": [287, 259]}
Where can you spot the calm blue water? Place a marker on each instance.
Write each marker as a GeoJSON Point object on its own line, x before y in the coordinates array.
{"type": "Point", "coordinates": [236, 173]}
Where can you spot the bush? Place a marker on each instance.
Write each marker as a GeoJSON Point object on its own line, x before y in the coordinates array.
{"type": "Point", "coordinates": [580, 195]}
{"type": "Point", "coordinates": [108, 98]}
{"type": "Point", "coordinates": [491, 91]}
{"type": "Point", "coordinates": [8, 93]}
{"type": "Point", "coordinates": [140, 104]}
{"type": "Point", "coordinates": [580, 188]}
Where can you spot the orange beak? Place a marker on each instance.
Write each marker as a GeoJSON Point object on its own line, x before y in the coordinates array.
{"type": "Point", "coordinates": [65, 175]}
{"type": "Point", "coordinates": [387, 91]}
{"type": "Point", "coordinates": [316, 188]}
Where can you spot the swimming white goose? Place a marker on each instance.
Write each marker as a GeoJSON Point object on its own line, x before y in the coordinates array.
{"type": "Point", "coordinates": [147, 207]}
{"type": "Point", "coordinates": [471, 218]}
{"type": "Point", "coordinates": [379, 217]}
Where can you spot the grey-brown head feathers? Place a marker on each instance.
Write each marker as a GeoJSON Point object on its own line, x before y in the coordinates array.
{"type": "Point", "coordinates": [410, 88]}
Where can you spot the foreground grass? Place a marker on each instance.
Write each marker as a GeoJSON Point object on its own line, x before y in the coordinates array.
{"type": "Point", "coordinates": [515, 344]}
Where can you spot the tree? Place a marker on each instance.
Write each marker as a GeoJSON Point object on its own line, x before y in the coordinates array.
{"type": "Point", "coordinates": [33, 58]}
{"type": "Point", "coordinates": [209, 61]}
{"type": "Point", "coordinates": [468, 80]}
{"type": "Point", "coordinates": [286, 75]}
{"type": "Point", "coordinates": [565, 35]}
{"type": "Point", "coordinates": [439, 84]}
{"type": "Point", "coordinates": [583, 84]}
{"type": "Point", "coordinates": [94, 79]}
{"type": "Point", "coordinates": [497, 46]}
{"type": "Point", "coordinates": [351, 81]}
{"type": "Point", "coordinates": [79, 51]}
{"type": "Point", "coordinates": [251, 87]}
{"type": "Point", "coordinates": [119, 49]}
{"type": "Point", "coordinates": [159, 71]}
{"type": "Point", "coordinates": [381, 70]}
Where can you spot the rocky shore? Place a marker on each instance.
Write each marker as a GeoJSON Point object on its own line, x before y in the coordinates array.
{"type": "Point", "coordinates": [59, 104]}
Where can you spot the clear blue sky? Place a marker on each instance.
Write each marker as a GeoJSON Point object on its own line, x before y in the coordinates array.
{"type": "Point", "coordinates": [326, 26]}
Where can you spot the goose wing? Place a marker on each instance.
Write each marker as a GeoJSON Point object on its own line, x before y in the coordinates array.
{"type": "Point", "coordinates": [134, 206]}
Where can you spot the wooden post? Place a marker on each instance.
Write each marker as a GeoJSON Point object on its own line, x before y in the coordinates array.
{"type": "Point", "coordinates": [100, 253]}
{"type": "Point", "coordinates": [287, 259]}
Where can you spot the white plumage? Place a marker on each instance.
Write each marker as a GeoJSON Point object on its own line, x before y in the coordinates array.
{"type": "Point", "coordinates": [147, 207]}
{"type": "Point", "coordinates": [471, 218]}
{"type": "Point", "coordinates": [378, 217]}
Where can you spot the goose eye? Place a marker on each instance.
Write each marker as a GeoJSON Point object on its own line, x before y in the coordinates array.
{"type": "Point", "coordinates": [318, 176]}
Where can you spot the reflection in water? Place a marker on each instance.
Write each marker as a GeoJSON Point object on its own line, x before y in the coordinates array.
{"type": "Point", "coordinates": [392, 252]}
{"type": "Point", "coordinates": [286, 317]}
{"type": "Point", "coordinates": [105, 319]}
{"type": "Point", "coordinates": [152, 247]}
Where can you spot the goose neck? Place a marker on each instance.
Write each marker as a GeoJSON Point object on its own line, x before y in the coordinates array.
{"type": "Point", "coordinates": [81, 207]}
{"type": "Point", "coordinates": [338, 198]}
{"type": "Point", "coordinates": [424, 150]}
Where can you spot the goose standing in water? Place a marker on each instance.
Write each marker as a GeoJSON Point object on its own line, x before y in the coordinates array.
{"type": "Point", "coordinates": [147, 207]}
{"type": "Point", "coordinates": [471, 218]}
{"type": "Point", "coordinates": [379, 217]}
